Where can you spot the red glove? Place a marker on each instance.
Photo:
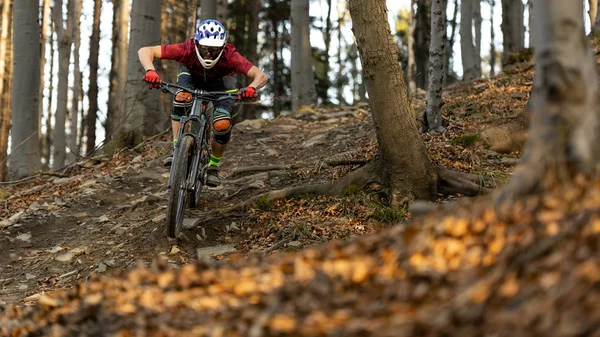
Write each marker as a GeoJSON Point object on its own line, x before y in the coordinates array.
{"type": "Point", "coordinates": [152, 78]}
{"type": "Point", "coordinates": [247, 93]}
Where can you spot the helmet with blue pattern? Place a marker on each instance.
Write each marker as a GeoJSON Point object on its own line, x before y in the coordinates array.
{"type": "Point", "coordinates": [209, 39]}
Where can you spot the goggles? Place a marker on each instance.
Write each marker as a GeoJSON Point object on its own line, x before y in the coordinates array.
{"type": "Point", "coordinates": [212, 52]}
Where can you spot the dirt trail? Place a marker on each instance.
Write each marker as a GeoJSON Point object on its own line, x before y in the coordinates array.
{"type": "Point", "coordinates": [107, 214]}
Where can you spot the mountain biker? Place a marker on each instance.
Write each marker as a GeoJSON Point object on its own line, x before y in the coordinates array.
{"type": "Point", "coordinates": [209, 63]}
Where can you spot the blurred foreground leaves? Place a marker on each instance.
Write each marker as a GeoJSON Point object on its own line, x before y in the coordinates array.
{"type": "Point", "coordinates": [531, 269]}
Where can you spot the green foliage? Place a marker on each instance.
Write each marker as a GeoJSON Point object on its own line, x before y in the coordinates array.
{"type": "Point", "coordinates": [390, 215]}
{"type": "Point", "coordinates": [351, 190]}
{"type": "Point", "coordinates": [264, 203]}
{"type": "Point", "coordinates": [466, 140]}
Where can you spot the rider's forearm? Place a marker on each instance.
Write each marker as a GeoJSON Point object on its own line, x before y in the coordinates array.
{"type": "Point", "coordinates": [146, 58]}
{"type": "Point", "coordinates": [259, 81]}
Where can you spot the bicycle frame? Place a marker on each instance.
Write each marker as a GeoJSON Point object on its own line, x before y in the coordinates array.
{"type": "Point", "coordinates": [195, 123]}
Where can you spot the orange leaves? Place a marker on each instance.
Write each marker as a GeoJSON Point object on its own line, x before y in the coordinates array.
{"type": "Point", "coordinates": [282, 323]}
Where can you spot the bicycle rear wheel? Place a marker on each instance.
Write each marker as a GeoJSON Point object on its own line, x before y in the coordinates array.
{"type": "Point", "coordinates": [178, 193]}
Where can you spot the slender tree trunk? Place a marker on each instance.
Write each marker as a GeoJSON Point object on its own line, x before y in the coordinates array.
{"type": "Point", "coordinates": [92, 114]}
{"type": "Point", "coordinates": [422, 37]}
{"type": "Point", "coordinates": [563, 136]}
{"type": "Point", "coordinates": [513, 29]}
{"type": "Point", "coordinates": [433, 110]}
{"type": "Point", "coordinates": [118, 70]}
{"type": "Point", "coordinates": [450, 44]}
{"type": "Point", "coordinates": [276, 67]}
{"type": "Point", "coordinates": [43, 41]}
{"type": "Point", "coordinates": [531, 28]}
{"type": "Point", "coordinates": [208, 9]}
{"type": "Point", "coordinates": [477, 27]}
{"type": "Point", "coordinates": [24, 159]}
{"type": "Point", "coordinates": [401, 162]}
{"type": "Point", "coordinates": [596, 25]}
{"type": "Point", "coordinates": [412, 65]}
{"type": "Point", "coordinates": [64, 39]}
{"type": "Point", "coordinates": [143, 115]}
{"type": "Point", "coordinates": [341, 45]}
{"type": "Point", "coordinates": [222, 11]}
{"type": "Point", "coordinates": [468, 51]}
{"type": "Point", "coordinates": [6, 19]}
{"type": "Point", "coordinates": [74, 123]}
{"type": "Point", "coordinates": [303, 83]}
{"type": "Point", "coordinates": [593, 10]}
{"type": "Point", "coordinates": [5, 82]}
{"type": "Point", "coordinates": [251, 51]}
{"type": "Point", "coordinates": [325, 82]}
{"type": "Point", "coordinates": [492, 40]}
{"type": "Point", "coordinates": [47, 152]}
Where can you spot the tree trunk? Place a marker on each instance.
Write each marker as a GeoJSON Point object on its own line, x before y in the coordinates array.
{"type": "Point", "coordinates": [563, 136]}
{"type": "Point", "coordinates": [412, 65]}
{"type": "Point", "coordinates": [593, 10]}
{"type": "Point", "coordinates": [276, 67]}
{"type": "Point", "coordinates": [492, 40]}
{"type": "Point", "coordinates": [513, 29]}
{"type": "Point", "coordinates": [24, 159]}
{"type": "Point", "coordinates": [92, 114]}
{"type": "Point", "coordinates": [341, 45]}
{"type": "Point", "coordinates": [450, 44]}
{"type": "Point", "coordinates": [43, 40]}
{"type": "Point", "coordinates": [303, 82]}
{"type": "Point", "coordinates": [47, 151]}
{"type": "Point", "coordinates": [325, 83]}
{"type": "Point", "coordinates": [143, 115]}
{"type": "Point", "coordinates": [433, 110]}
{"type": "Point", "coordinates": [5, 80]}
{"type": "Point", "coordinates": [118, 70]}
{"type": "Point", "coordinates": [467, 49]}
{"type": "Point", "coordinates": [251, 51]}
{"type": "Point", "coordinates": [64, 40]}
{"type": "Point", "coordinates": [422, 37]}
{"type": "Point", "coordinates": [74, 123]}
{"type": "Point", "coordinates": [596, 25]}
{"type": "Point", "coordinates": [477, 27]}
{"type": "Point", "coordinates": [401, 162]}
{"type": "Point", "coordinates": [222, 11]}
{"type": "Point", "coordinates": [530, 22]}
{"type": "Point", "coordinates": [208, 9]}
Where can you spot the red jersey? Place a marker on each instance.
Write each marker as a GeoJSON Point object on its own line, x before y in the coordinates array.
{"type": "Point", "coordinates": [231, 60]}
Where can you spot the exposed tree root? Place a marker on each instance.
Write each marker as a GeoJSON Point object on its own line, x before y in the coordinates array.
{"type": "Point", "coordinates": [449, 182]}
{"type": "Point", "coordinates": [452, 182]}
{"type": "Point", "coordinates": [323, 164]}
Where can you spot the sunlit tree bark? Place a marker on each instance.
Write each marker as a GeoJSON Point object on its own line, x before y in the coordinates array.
{"type": "Point", "coordinates": [76, 96]}
{"type": "Point", "coordinates": [143, 115]}
{"type": "Point", "coordinates": [92, 114]}
{"type": "Point", "coordinates": [24, 158]}
{"type": "Point", "coordinates": [5, 81]}
{"type": "Point", "coordinates": [118, 70]}
{"type": "Point", "coordinates": [433, 110]}
{"type": "Point", "coordinates": [64, 38]}
{"type": "Point", "coordinates": [563, 136]}
{"type": "Point", "coordinates": [303, 83]}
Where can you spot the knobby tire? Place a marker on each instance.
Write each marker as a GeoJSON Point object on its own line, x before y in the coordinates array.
{"type": "Point", "coordinates": [178, 193]}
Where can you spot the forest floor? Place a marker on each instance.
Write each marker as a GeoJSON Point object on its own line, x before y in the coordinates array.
{"type": "Point", "coordinates": [86, 253]}
{"type": "Point", "coordinates": [106, 215]}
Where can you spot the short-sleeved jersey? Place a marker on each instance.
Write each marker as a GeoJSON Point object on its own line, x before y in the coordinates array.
{"type": "Point", "coordinates": [231, 60]}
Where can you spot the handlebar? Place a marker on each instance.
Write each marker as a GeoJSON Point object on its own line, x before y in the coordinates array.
{"type": "Point", "coordinates": [199, 93]}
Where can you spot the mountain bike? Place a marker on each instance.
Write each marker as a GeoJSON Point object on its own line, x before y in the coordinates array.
{"type": "Point", "coordinates": [192, 153]}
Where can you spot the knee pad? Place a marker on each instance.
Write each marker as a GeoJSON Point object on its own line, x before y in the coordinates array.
{"type": "Point", "coordinates": [221, 126]}
{"type": "Point", "coordinates": [181, 105]}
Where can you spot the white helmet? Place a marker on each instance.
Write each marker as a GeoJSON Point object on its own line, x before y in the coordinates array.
{"type": "Point", "coordinates": [210, 38]}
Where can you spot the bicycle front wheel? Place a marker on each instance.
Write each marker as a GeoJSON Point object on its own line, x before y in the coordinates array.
{"type": "Point", "coordinates": [178, 194]}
